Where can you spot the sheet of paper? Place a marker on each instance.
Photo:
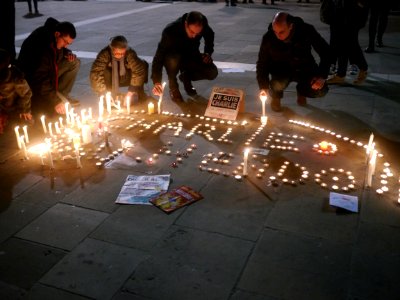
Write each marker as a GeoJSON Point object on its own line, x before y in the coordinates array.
{"type": "Point", "coordinates": [347, 202]}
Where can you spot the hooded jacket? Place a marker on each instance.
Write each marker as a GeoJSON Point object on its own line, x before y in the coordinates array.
{"type": "Point", "coordinates": [294, 55]}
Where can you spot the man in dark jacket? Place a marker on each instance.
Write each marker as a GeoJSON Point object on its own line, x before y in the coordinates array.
{"type": "Point", "coordinates": [285, 56]}
{"type": "Point", "coordinates": [178, 51]}
{"type": "Point", "coordinates": [118, 65]}
{"type": "Point", "coordinates": [50, 68]}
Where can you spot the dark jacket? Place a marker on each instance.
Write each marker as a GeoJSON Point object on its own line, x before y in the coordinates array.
{"type": "Point", "coordinates": [39, 58]}
{"type": "Point", "coordinates": [174, 41]}
{"type": "Point", "coordinates": [103, 61]}
{"type": "Point", "coordinates": [294, 56]}
{"type": "Point", "coordinates": [15, 93]}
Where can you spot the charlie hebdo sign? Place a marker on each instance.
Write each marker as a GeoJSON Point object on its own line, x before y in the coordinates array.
{"type": "Point", "coordinates": [225, 103]}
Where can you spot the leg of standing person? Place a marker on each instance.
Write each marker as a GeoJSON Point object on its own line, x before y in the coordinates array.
{"type": "Point", "coordinates": [277, 85]}
{"type": "Point", "coordinates": [35, 4]}
{"type": "Point", "coordinates": [7, 25]}
{"type": "Point", "coordinates": [339, 38]}
{"type": "Point", "coordinates": [29, 6]}
{"type": "Point", "coordinates": [357, 56]}
{"type": "Point", "coordinates": [373, 22]}
{"type": "Point", "coordinates": [67, 72]}
{"type": "Point", "coordinates": [382, 24]}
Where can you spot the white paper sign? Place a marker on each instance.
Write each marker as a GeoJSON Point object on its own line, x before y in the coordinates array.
{"type": "Point", "coordinates": [344, 201]}
{"type": "Point", "coordinates": [225, 103]}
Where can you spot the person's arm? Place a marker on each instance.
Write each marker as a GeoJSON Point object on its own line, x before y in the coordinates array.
{"type": "Point", "coordinates": [99, 65]}
{"type": "Point", "coordinates": [138, 68]}
{"type": "Point", "coordinates": [165, 47]}
{"type": "Point", "coordinates": [262, 66]}
{"type": "Point", "coordinates": [208, 35]}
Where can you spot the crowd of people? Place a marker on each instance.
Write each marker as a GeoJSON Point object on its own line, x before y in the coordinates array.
{"type": "Point", "coordinates": [41, 79]}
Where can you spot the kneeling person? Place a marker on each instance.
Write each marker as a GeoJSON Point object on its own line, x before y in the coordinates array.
{"type": "Point", "coordinates": [285, 56]}
{"type": "Point", "coordinates": [118, 65]}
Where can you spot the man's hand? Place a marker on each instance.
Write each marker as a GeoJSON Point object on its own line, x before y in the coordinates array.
{"type": "Point", "coordinates": [60, 108]}
{"type": "Point", "coordinates": [26, 116]}
{"type": "Point", "coordinates": [206, 58]}
{"type": "Point", "coordinates": [157, 89]}
{"type": "Point", "coordinates": [70, 56]}
{"type": "Point", "coordinates": [317, 83]}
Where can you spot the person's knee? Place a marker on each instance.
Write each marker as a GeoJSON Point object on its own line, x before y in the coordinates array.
{"type": "Point", "coordinates": [75, 65]}
{"type": "Point", "coordinates": [278, 85]}
{"type": "Point", "coordinates": [172, 64]}
{"type": "Point", "coordinates": [212, 74]}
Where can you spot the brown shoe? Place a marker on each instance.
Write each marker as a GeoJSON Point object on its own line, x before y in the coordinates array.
{"type": "Point", "coordinates": [362, 75]}
{"type": "Point", "coordinates": [301, 100]}
{"type": "Point", "coordinates": [276, 104]}
{"type": "Point", "coordinates": [336, 79]}
{"type": "Point", "coordinates": [175, 95]}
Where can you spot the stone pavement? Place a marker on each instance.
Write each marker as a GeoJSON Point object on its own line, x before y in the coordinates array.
{"type": "Point", "coordinates": [63, 237]}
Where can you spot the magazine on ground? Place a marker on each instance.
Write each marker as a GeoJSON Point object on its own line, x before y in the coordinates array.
{"type": "Point", "coordinates": [175, 199]}
{"type": "Point", "coordinates": [140, 189]}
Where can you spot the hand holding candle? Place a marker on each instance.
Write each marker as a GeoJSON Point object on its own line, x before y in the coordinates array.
{"type": "Point", "coordinates": [160, 99]}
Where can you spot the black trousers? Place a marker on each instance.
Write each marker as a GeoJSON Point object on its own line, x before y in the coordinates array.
{"type": "Point", "coordinates": [193, 67]}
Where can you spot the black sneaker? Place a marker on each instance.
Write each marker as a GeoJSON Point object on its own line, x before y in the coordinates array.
{"type": "Point", "coordinates": [187, 85]}
{"type": "Point", "coordinates": [175, 95]}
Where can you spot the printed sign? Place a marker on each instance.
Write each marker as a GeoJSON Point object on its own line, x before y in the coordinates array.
{"type": "Point", "coordinates": [225, 103]}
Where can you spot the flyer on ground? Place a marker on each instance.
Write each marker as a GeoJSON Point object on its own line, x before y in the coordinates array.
{"type": "Point", "coordinates": [140, 189]}
{"type": "Point", "coordinates": [176, 198]}
{"type": "Point", "coordinates": [225, 103]}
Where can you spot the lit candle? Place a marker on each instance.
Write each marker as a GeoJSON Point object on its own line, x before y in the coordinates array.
{"type": "Point", "coordinates": [60, 119]}
{"type": "Point", "coordinates": [16, 129]}
{"type": "Point", "coordinates": [264, 120]}
{"type": "Point", "coordinates": [67, 112]}
{"type": "Point", "coordinates": [150, 108]}
{"type": "Point", "coordinates": [371, 139]}
{"type": "Point", "coordinates": [77, 144]}
{"type": "Point", "coordinates": [128, 105]}
{"type": "Point", "coordinates": [160, 99]}
{"type": "Point", "coordinates": [371, 168]}
{"type": "Point", "coordinates": [23, 146]}
{"type": "Point", "coordinates": [108, 102]}
{"type": "Point", "coordinates": [50, 129]}
{"type": "Point", "coordinates": [58, 131]}
{"type": "Point", "coordinates": [263, 99]}
{"type": "Point", "coordinates": [49, 153]}
{"type": "Point", "coordinates": [83, 115]}
{"type": "Point", "coordinates": [90, 114]}
{"type": "Point", "coordinates": [245, 161]}
{"type": "Point", "coordinates": [25, 129]}
{"type": "Point", "coordinates": [324, 145]}
{"type": "Point", "coordinates": [42, 118]}
{"type": "Point", "coordinates": [101, 106]}
{"type": "Point", "coordinates": [86, 134]}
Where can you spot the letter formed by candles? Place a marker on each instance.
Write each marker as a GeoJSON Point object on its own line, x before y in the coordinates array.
{"type": "Point", "coordinates": [245, 161]}
{"type": "Point", "coordinates": [160, 99]}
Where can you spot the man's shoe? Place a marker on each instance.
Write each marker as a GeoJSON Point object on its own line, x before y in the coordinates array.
{"type": "Point", "coordinates": [336, 80]}
{"type": "Point", "coordinates": [73, 102]}
{"type": "Point", "coordinates": [362, 75]}
{"type": "Point", "coordinates": [175, 95]}
{"type": "Point", "coordinates": [301, 100]}
{"type": "Point", "coordinates": [369, 49]}
{"type": "Point", "coordinates": [379, 44]}
{"type": "Point", "coordinates": [276, 104]}
{"type": "Point", "coordinates": [187, 85]}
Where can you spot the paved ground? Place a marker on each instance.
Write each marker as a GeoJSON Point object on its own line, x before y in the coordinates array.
{"type": "Point", "coordinates": [63, 237]}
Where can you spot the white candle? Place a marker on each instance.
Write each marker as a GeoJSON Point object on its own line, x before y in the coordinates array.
{"type": "Point", "coordinates": [108, 102]}
{"type": "Point", "coordinates": [128, 105]}
{"type": "Point", "coordinates": [42, 118]}
{"type": "Point", "coordinates": [60, 119]}
{"type": "Point", "coordinates": [23, 146]}
{"type": "Point", "coordinates": [161, 97]}
{"type": "Point", "coordinates": [77, 143]}
{"type": "Point", "coordinates": [50, 129]}
{"type": "Point", "coordinates": [58, 131]}
{"type": "Point", "coordinates": [150, 108]}
{"type": "Point", "coordinates": [25, 129]}
{"type": "Point", "coordinates": [83, 115]}
{"type": "Point", "coordinates": [86, 134]}
{"type": "Point", "coordinates": [90, 114]}
{"type": "Point", "coordinates": [263, 99]}
{"type": "Point", "coordinates": [264, 120]}
{"type": "Point", "coordinates": [67, 113]}
{"type": "Point", "coordinates": [371, 168]}
{"type": "Point", "coordinates": [16, 129]}
{"type": "Point", "coordinates": [245, 161]}
{"type": "Point", "coordinates": [101, 106]}
{"type": "Point", "coordinates": [49, 153]}
{"type": "Point", "coordinates": [371, 139]}
{"type": "Point", "coordinates": [72, 117]}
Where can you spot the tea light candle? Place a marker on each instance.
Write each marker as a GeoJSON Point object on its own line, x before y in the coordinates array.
{"type": "Point", "coordinates": [42, 119]}
{"type": "Point", "coordinates": [150, 108]}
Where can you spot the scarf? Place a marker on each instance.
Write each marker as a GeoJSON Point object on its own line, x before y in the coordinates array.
{"type": "Point", "coordinates": [118, 70]}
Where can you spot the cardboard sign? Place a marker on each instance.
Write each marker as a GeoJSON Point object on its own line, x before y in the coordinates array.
{"type": "Point", "coordinates": [225, 103]}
